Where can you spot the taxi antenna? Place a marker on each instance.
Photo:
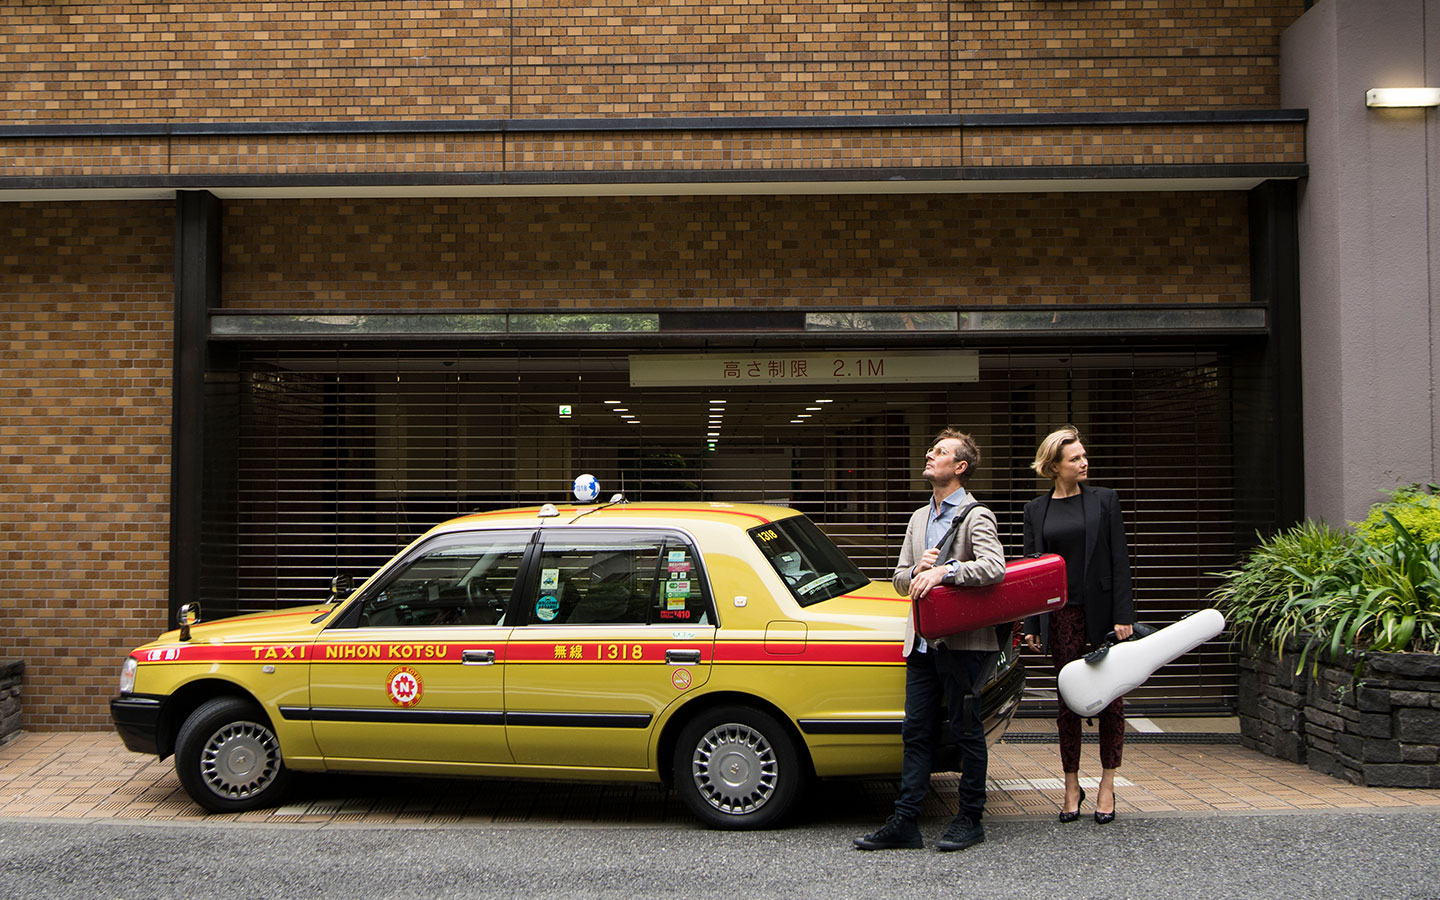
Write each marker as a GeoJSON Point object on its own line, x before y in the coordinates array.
{"type": "Point", "coordinates": [614, 499]}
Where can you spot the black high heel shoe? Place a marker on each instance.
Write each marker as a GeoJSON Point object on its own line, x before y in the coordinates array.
{"type": "Point", "coordinates": [1068, 817]}
{"type": "Point", "coordinates": [1104, 818]}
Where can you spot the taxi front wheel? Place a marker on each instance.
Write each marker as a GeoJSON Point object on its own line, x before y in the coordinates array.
{"type": "Point", "coordinates": [228, 759]}
{"type": "Point", "coordinates": [737, 768]}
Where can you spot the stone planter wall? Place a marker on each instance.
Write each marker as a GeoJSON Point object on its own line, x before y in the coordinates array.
{"type": "Point", "coordinates": [11, 671]}
{"type": "Point", "coordinates": [1271, 705]}
{"type": "Point", "coordinates": [1382, 731]}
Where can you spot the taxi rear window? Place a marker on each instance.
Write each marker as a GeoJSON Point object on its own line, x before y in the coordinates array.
{"type": "Point", "coordinates": [809, 563]}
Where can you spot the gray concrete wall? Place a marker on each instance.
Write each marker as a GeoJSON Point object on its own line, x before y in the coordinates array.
{"type": "Point", "coordinates": [1369, 249]}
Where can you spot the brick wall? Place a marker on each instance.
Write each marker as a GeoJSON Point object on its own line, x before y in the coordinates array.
{"type": "Point", "coordinates": [86, 293]}
{"type": "Point", "coordinates": [644, 252]}
{"type": "Point", "coordinates": [434, 59]}
{"type": "Point", "coordinates": [86, 296]}
{"type": "Point", "coordinates": [738, 153]}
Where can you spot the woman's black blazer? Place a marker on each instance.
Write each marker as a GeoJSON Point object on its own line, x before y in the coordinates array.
{"type": "Point", "coordinates": [1106, 583]}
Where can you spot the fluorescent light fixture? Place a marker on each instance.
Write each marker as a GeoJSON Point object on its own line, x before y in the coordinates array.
{"type": "Point", "coordinates": [1399, 97]}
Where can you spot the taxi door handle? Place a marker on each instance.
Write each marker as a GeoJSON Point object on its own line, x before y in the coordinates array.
{"type": "Point", "coordinates": [477, 658]}
{"type": "Point", "coordinates": [682, 657]}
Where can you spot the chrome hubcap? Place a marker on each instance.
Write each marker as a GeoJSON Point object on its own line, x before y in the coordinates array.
{"type": "Point", "coordinates": [240, 760]}
{"type": "Point", "coordinates": [735, 768]}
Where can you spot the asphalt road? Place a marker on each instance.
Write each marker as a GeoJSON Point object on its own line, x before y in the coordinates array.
{"type": "Point", "coordinates": [1333, 855]}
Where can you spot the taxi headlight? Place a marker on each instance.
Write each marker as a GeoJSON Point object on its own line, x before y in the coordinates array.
{"type": "Point", "coordinates": [127, 675]}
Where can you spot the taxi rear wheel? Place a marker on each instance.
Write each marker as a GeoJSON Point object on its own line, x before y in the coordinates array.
{"type": "Point", "coordinates": [227, 757]}
{"type": "Point", "coordinates": [737, 768]}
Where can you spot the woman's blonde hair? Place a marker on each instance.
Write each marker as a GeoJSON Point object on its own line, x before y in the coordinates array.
{"type": "Point", "coordinates": [1047, 457]}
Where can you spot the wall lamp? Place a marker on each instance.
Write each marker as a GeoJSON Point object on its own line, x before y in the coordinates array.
{"type": "Point", "coordinates": [1397, 97]}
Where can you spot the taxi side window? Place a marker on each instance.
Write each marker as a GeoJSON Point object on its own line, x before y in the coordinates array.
{"type": "Point", "coordinates": [681, 598]}
{"type": "Point", "coordinates": [463, 579]}
{"type": "Point", "coordinates": [610, 579]}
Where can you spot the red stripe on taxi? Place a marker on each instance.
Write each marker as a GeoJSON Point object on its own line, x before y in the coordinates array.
{"type": "Point", "coordinates": [190, 653]}
{"type": "Point", "coordinates": [646, 511]}
{"type": "Point", "coordinates": [600, 651]}
{"type": "Point", "coordinates": [551, 651]}
{"type": "Point", "coordinates": [890, 597]}
{"type": "Point", "coordinates": [832, 652]}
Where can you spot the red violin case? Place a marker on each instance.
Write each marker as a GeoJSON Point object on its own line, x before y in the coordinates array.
{"type": "Point", "coordinates": [1033, 585]}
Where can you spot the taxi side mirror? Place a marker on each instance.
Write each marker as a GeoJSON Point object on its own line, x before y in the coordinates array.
{"type": "Point", "coordinates": [188, 615]}
{"type": "Point", "coordinates": [339, 588]}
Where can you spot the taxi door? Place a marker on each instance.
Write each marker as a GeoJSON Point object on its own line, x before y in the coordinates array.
{"type": "Point", "coordinates": [416, 671]}
{"type": "Point", "coordinates": [617, 626]}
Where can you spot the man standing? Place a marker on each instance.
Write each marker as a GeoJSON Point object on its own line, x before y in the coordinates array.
{"type": "Point", "coordinates": [950, 668]}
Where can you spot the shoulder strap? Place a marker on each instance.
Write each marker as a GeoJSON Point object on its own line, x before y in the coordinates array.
{"type": "Point", "coordinates": [948, 541]}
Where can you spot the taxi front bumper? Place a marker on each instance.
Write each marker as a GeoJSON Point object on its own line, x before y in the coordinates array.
{"type": "Point", "coordinates": [137, 720]}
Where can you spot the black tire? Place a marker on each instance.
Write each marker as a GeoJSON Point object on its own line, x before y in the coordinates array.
{"type": "Point", "coordinates": [738, 768]}
{"type": "Point", "coordinates": [227, 757]}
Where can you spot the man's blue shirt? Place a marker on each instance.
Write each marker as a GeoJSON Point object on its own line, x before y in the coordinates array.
{"type": "Point", "coordinates": [941, 519]}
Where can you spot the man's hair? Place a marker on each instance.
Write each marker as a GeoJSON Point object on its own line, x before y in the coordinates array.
{"type": "Point", "coordinates": [967, 451]}
{"type": "Point", "coordinates": [1047, 457]}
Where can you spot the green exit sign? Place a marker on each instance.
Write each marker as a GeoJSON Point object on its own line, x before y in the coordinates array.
{"type": "Point", "coordinates": [565, 410]}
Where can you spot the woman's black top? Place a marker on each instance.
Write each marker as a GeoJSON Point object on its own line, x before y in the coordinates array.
{"type": "Point", "coordinates": [1064, 532]}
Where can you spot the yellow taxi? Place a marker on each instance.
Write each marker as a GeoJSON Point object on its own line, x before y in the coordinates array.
{"type": "Point", "coordinates": [729, 651]}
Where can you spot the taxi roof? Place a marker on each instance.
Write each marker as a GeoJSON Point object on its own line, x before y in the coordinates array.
{"type": "Point", "coordinates": [653, 514]}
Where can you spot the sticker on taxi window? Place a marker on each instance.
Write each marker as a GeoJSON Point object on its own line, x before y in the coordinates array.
{"type": "Point", "coordinates": [404, 686]}
{"type": "Point", "coordinates": [677, 589]}
{"type": "Point", "coordinates": [547, 608]}
{"type": "Point", "coordinates": [549, 580]}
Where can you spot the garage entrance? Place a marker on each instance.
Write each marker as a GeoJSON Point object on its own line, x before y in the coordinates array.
{"type": "Point", "coordinates": [337, 458]}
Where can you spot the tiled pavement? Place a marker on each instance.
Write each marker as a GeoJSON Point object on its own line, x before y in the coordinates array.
{"type": "Point", "coordinates": [1193, 767]}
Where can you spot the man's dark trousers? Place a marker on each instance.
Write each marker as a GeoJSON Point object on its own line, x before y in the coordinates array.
{"type": "Point", "coordinates": [951, 676]}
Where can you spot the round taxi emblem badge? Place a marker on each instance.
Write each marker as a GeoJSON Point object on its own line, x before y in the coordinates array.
{"type": "Point", "coordinates": [680, 678]}
{"type": "Point", "coordinates": [404, 686]}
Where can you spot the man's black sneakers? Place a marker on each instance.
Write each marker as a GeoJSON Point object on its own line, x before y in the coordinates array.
{"type": "Point", "coordinates": [961, 833]}
{"type": "Point", "coordinates": [895, 834]}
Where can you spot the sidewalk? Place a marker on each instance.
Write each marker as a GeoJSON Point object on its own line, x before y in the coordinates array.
{"type": "Point", "coordinates": [1176, 767]}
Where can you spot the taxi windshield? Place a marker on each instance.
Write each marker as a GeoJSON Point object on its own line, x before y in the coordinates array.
{"type": "Point", "coordinates": [809, 563]}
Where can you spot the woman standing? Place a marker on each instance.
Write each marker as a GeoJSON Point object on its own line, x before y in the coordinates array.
{"type": "Point", "coordinates": [1083, 525]}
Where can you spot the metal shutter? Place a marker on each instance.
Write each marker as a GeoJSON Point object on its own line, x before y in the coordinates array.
{"type": "Point", "coordinates": [341, 457]}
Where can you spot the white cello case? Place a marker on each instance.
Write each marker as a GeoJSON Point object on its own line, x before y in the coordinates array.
{"type": "Point", "coordinates": [1089, 687]}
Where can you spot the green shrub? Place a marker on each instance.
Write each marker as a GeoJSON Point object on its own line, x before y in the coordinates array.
{"type": "Point", "coordinates": [1334, 592]}
{"type": "Point", "coordinates": [1386, 597]}
{"type": "Point", "coordinates": [1414, 506]}
{"type": "Point", "coordinates": [1260, 598]}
